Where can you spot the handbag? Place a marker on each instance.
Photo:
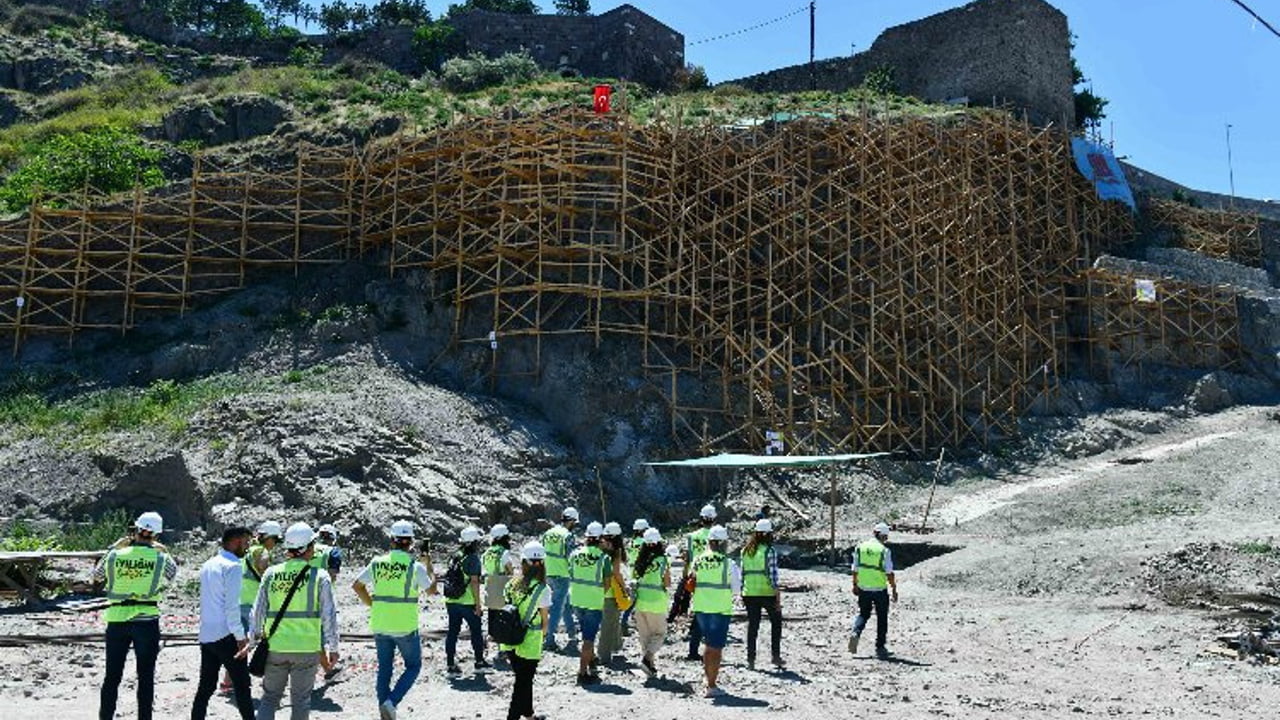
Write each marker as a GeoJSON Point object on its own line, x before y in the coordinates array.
{"type": "Point", "coordinates": [258, 662]}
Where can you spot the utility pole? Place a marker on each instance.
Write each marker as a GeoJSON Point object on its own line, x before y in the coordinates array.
{"type": "Point", "coordinates": [813, 11]}
{"type": "Point", "coordinates": [1231, 171]}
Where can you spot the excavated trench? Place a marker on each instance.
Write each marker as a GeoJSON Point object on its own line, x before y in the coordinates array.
{"type": "Point", "coordinates": [810, 554]}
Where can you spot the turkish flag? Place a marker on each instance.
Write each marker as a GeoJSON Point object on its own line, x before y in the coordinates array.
{"type": "Point", "coordinates": [602, 95]}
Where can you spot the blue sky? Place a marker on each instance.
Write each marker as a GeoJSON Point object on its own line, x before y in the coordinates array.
{"type": "Point", "coordinates": [1176, 71]}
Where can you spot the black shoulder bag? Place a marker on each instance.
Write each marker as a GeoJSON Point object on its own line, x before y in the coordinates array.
{"type": "Point", "coordinates": [258, 663]}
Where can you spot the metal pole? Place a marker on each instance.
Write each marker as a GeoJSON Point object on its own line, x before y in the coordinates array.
{"type": "Point", "coordinates": [813, 10]}
{"type": "Point", "coordinates": [1231, 172]}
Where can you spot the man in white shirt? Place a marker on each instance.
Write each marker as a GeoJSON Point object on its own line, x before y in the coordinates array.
{"type": "Point", "coordinates": [222, 634]}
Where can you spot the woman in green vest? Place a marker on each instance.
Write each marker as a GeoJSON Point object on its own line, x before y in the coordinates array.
{"type": "Point", "coordinates": [531, 598]}
{"type": "Point", "coordinates": [717, 580]}
{"type": "Point", "coordinates": [760, 591]}
{"type": "Point", "coordinates": [653, 578]}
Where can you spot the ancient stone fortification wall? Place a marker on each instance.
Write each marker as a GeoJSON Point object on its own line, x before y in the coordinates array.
{"type": "Point", "coordinates": [1003, 52]}
{"type": "Point", "coordinates": [622, 43]}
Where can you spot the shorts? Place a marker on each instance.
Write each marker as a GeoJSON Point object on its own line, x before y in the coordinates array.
{"type": "Point", "coordinates": [589, 622]}
{"type": "Point", "coordinates": [715, 629]}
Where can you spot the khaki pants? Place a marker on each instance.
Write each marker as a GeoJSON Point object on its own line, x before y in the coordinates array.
{"type": "Point", "coordinates": [298, 671]}
{"type": "Point", "coordinates": [652, 629]}
{"type": "Point", "coordinates": [610, 640]}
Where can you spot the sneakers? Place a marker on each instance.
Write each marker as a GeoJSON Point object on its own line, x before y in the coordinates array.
{"type": "Point", "coordinates": [332, 672]}
{"type": "Point", "coordinates": [387, 710]}
{"type": "Point", "coordinates": [649, 668]}
{"type": "Point", "coordinates": [853, 644]}
{"type": "Point", "coordinates": [693, 657]}
{"type": "Point", "coordinates": [454, 669]}
{"type": "Point", "coordinates": [883, 652]}
{"type": "Point", "coordinates": [483, 666]}
{"type": "Point", "coordinates": [550, 646]}
{"type": "Point", "coordinates": [778, 663]}
{"type": "Point", "coordinates": [588, 679]}
{"type": "Point", "coordinates": [713, 692]}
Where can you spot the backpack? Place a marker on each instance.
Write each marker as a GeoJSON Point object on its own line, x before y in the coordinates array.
{"type": "Point", "coordinates": [455, 583]}
{"type": "Point", "coordinates": [507, 627]}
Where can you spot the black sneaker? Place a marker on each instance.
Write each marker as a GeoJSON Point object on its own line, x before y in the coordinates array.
{"type": "Point", "coordinates": [453, 669]}
{"type": "Point", "coordinates": [483, 666]}
{"type": "Point", "coordinates": [778, 662]}
{"type": "Point", "coordinates": [693, 657]}
{"type": "Point", "coordinates": [649, 667]}
{"type": "Point", "coordinates": [588, 679]}
{"type": "Point", "coordinates": [883, 652]}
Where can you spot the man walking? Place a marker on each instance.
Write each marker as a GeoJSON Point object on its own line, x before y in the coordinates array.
{"type": "Point", "coordinates": [873, 584]}
{"type": "Point", "coordinates": [694, 544]}
{"type": "Point", "coordinates": [559, 544]}
{"type": "Point", "coordinates": [717, 580]}
{"type": "Point", "coordinates": [327, 558]}
{"type": "Point", "coordinates": [222, 634]}
{"type": "Point", "coordinates": [135, 575]}
{"type": "Point", "coordinates": [468, 606]}
{"type": "Point", "coordinates": [397, 580]}
{"type": "Point", "coordinates": [589, 572]}
{"type": "Point", "coordinates": [760, 591]}
{"type": "Point", "coordinates": [308, 623]}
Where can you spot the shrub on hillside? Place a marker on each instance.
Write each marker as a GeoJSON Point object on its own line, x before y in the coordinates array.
{"type": "Point", "coordinates": [690, 78]}
{"type": "Point", "coordinates": [32, 19]}
{"type": "Point", "coordinates": [103, 161]}
{"type": "Point", "coordinates": [475, 72]}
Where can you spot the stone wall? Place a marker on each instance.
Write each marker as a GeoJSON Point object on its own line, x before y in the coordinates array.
{"type": "Point", "coordinates": [994, 52]}
{"type": "Point", "coordinates": [622, 43]}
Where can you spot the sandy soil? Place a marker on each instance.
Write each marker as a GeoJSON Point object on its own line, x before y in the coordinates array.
{"type": "Point", "coordinates": [1057, 605]}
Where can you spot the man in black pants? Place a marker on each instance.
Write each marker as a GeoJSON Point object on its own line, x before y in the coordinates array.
{"type": "Point", "coordinates": [222, 634]}
{"type": "Point", "coordinates": [874, 586]}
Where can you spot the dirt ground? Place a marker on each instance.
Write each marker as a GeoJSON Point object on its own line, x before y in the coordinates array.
{"type": "Point", "coordinates": [1082, 587]}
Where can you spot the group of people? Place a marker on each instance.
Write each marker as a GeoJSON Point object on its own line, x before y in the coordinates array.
{"type": "Point", "coordinates": [285, 615]}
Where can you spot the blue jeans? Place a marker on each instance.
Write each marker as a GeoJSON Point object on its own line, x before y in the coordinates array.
{"type": "Point", "coordinates": [410, 647]}
{"type": "Point", "coordinates": [458, 614]}
{"type": "Point", "coordinates": [559, 600]}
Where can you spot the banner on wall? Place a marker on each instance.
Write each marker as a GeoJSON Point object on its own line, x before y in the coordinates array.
{"type": "Point", "coordinates": [1096, 162]}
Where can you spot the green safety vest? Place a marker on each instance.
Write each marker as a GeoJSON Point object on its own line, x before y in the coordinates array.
{"type": "Point", "coordinates": [134, 576]}
{"type": "Point", "coordinates": [871, 574]}
{"type": "Point", "coordinates": [491, 561]}
{"type": "Point", "coordinates": [467, 597]}
{"type": "Point", "coordinates": [299, 630]}
{"type": "Point", "coordinates": [696, 543]}
{"type": "Point", "coordinates": [395, 595]}
{"type": "Point", "coordinates": [711, 592]}
{"type": "Point", "coordinates": [651, 596]}
{"type": "Point", "coordinates": [320, 558]}
{"type": "Point", "coordinates": [636, 544]}
{"type": "Point", "coordinates": [755, 573]}
{"type": "Point", "coordinates": [556, 543]}
{"type": "Point", "coordinates": [250, 580]}
{"type": "Point", "coordinates": [586, 578]}
{"type": "Point", "coordinates": [526, 602]}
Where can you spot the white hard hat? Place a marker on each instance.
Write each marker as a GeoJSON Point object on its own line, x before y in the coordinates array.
{"type": "Point", "coordinates": [882, 529]}
{"type": "Point", "coordinates": [298, 536]}
{"type": "Point", "coordinates": [594, 529]}
{"type": "Point", "coordinates": [498, 531]}
{"type": "Point", "coordinates": [673, 552]}
{"type": "Point", "coordinates": [533, 550]}
{"type": "Point", "coordinates": [151, 522]}
{"type": "Point", "coordinates": [718, 533]}
{"type": "Point", "coordinates": [270, 527]}
{"type": "Point", "coordinates": [708, 512]}
{"type": "Point", "coordinates": [613, 528]}
{"type": "Point", "coordinates": [640, 524]}
{"type": "Point", "coordinates": [570, 513]}
{"type": "Point", "coordinates": [469, 534]}
{"type": "Point", "coordinates": [401, 529]}
{"type": "Point", "coordinates": [764, 525]}
{"type": "Point", "coordinates": [652, 536]}
{"type": "Point", "coordinates": [328, 529]}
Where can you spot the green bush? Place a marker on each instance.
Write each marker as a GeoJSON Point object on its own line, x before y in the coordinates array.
{"type": "Point", "coordinates": [98, 534]}
{"type": "Point", "coordinates": [306, 55]}
{"type": "Point", "coordinates": [476, 72]}
{"type": "Point", "coordinates": [103, 161]}
{"type": "Point", "coordinates": [32, 19]}
{"type": "Point", "coordinates": [436, 42]}
{"type": "Point", "coordinates": [21, 537]}
{"type": "Point", "coordinates": [881, 80]}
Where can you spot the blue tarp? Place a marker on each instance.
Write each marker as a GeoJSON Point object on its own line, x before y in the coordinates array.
{"type": "Point", "coordinates": [1097, 163]}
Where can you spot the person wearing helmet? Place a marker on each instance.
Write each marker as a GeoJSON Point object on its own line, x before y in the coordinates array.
{"type": "Point", "coordinates": [559, 544]}
{"type": "Point", "coordinates": [694, 545]}
{"type": "Point", "coordinates": [308, 623]}
{"type": "Point", "coordinates": [498, 563]}
{"type": "Point", "coordinates": [467, 607]}
{"type": "Point", "coordinates": [590, 572]}
{"type": "Point", "coordinates": [653, 579]}
{"type": "Point", "coordinates": [327, 557]}
{"type": "Point", "coordinates": [637, 541]}
{"type": "Point", "coordinates": [717, 579]}
{"type": "Point", "coordinates": [256, 562]}
{"type": "Point", "coordinates": [396, 580]}
{"type": "Point", "coordinates": [760, 591]}
{"type": "Point", "coordinates": [135, 576]}
{"type": "Point", "coordinates": [874, 586]}
{"type": "Point", "coordinates": [529, 595]}
{"type": "Point", "coordinates": [613, 544]}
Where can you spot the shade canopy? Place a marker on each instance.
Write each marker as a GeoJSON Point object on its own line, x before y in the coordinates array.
{"type": "Point", "coordinates": [734, 460]}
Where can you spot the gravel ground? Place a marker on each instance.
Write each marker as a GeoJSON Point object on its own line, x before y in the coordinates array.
{"type": "Point", "coordinates": [1089, 586]}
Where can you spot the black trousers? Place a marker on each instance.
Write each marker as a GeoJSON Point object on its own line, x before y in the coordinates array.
{"type": "Point", "coordinates": [769, 605]}
{"type": "Point", "coordinates": [879, 599]}
{"type": "Point", "coordinates": [214, 656]}
{"type": "Point", "coordinates": [695, 634]}
{"type": "Point", "coordinates": [522, 691]}
{"type": "Point", "coordinates": [144, 637]}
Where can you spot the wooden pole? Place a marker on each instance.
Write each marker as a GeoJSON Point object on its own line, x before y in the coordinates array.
{"type": "Point", "coordinates": [604, 512]}
{"type": "Point", "coordinates": [834, 491]}
{"type": "Point", "coordinates": [937, 472]}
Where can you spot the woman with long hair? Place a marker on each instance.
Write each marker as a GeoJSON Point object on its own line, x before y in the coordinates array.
{"type": "Point", "coordinates": [532, 600]}
{"type": "Point", "coordinates": [760, 591]}
{"type": "Point", "coordinates": [653, 579]}
{"type": "Point", "coordinates": [614, 545]}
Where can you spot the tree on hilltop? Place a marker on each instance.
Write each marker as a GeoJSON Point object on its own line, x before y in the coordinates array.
{"type": "Point", "coordinates": [573, 7]}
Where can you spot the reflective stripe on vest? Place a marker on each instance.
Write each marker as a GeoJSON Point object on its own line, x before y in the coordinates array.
{"type": "Point", "coordinates": [526, 603]}
{"type": "Point", "coordinates": [395, 598]}
{"type": "Point", "coordinates": [586, 578]}
{"type": "Point", "coordinates": [300, 628]}
{"type": "Point", "coordinates": [555, 541]}
{"type": "Point", "coordinates": [250, 580]}
{"type": "Point", "coordinates": [712, 592]}
{"type": "Point", "coordinates": [134, 574]}
{"type": "Point", "coordinates": [871, 574]}
{"type": "Point", "coordinates": [651, 596]}
{"type": "Point", "coordinates": [755, 573]}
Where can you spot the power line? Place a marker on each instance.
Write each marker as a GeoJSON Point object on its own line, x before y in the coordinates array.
{"type": "Point", "coordinates": [802, 9]}
{"type": "Point", "coordinates": [1257, 17]}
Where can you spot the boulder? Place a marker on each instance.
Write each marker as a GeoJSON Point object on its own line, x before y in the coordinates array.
{"type": "Point", "coordinates": [230, 119]}
{"type": "Point", "coordinates": [12, 111]}
{"type": "Point", "coordinates": [1209, 394]}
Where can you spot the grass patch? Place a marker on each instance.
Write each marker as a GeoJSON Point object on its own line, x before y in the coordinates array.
{"type": "Point", "coordinates": [97, 534]}
{"type": "Point", "coordinates": [1257, 548]}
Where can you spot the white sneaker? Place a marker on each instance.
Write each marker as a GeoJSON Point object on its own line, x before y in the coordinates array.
{"type": "Point", "coordinates": [387, 710]}
{"type": "Point", "coordinates": [713, 692]}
